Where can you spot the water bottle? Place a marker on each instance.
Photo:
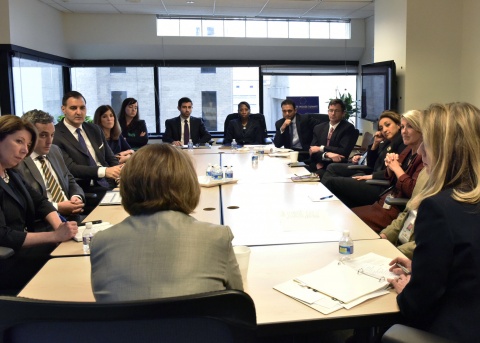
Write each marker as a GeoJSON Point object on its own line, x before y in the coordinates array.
{"type": "Point", "coordinates": [87, 237]}
{"type": "Point", "coordinates": [190, 144]}
{"type": "Point", "coordinates": [217, 173]}
{"type": "Point", "coordinates": [209, 171]}
{"type": "Point", "coordinates": [234, 145]}
{"type": "Point", "coordinates": [345, 246]}
{"type": "Point", "coordinates": [229, 173]}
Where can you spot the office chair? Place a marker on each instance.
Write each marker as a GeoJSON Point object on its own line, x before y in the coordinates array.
{"type": "Point", "coordinates": [256, 116]}
{"type": "Point", "coordinates": [221, 316]}
{"type": "Point", "coordinates": [404, 334]}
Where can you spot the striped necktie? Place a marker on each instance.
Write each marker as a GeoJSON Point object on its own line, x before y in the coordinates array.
{"type": "Point", "coordinates": [329, 136]}
{"type": "Point", "coordinates": [52, 184]}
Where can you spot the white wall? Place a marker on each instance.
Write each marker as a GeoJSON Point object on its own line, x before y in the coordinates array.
{"type": "Point", "coordinates": [470, 71]}
{"type": "Point", "coordinates": [36, 26]}
{"type": "Point", "coordinates": [4, 22]}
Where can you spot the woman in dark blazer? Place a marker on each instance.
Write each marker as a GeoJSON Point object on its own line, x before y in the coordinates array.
{"type": "Point", "coordinates": [348, 184]}
{"type": "Point", "coordinates": [106, 118]}
{"type": "Point", "coordinates": [20, 206]}
{"type": "Point", "coordinates": [402, 171]}
{"type": "Point", "coordinates": [441, 293]}
{"type": "Point", "coordinates": [244, 130]}
{"type": "Point", "coordinates": [133, 129]}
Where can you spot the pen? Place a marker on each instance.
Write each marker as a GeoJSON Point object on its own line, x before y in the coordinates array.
{"type": "Point", "coordinates": [327, 197]}
{"type": "Point", "coordinates": [405, 270]}
{"type": "Point", "coordinates": [93, 222]}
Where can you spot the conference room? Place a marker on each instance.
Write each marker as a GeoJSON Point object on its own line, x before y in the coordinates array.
{"type": "Point", "coordinates": [48, 47]}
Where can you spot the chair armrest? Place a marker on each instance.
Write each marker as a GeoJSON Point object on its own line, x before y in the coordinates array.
{"type": "Point", "coordinates": [384, 183]}
{"type": "Point", "coordinates": [5, 252]}
{"type": "Point", "coordinates": [404, 334]}
{"type": "Point", "coordinates": [268, 141]}
{"type": "Point", "coordinates": [401, 202]}
{"type": "Point", "coordinates": [219, 141]}
{"type": "Point", "coordinates": [90, 195]}
{"type": "Point", "coordinates": [362, 167]}
{"type": "Point", "coordinates": [326, 159]}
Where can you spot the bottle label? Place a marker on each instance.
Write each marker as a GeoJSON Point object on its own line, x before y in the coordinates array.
{"type": "Point", "coordinates": [229, 175]}
{"type": "Point", "coordinates": [345, 249]}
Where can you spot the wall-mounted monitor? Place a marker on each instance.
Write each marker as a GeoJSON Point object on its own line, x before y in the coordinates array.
{"type": "Point", "coordinates": [379, 89]}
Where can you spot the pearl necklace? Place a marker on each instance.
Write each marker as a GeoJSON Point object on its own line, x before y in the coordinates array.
{"type": "Point", "coordinates": [5, 178]}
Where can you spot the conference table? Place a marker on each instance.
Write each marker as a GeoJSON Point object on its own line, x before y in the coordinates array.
{"type": "Point", "coordinates": [289, 230]}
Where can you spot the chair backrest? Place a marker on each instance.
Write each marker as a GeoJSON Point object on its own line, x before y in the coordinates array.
{"type": "Point", "coordinates": [318, 118]}
{"type": "Point", "coordinates": [222, 316]}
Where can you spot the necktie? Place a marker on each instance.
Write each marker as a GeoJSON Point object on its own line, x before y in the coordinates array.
{"type": "Point", "coordinates": [102, 182]}
{"type": "Point", "coordinates": [329, 136]}
{"type": "Point", "coordinates": [294, 135]}
{"type": "Point", "coordinates": [186, 133]}
{"type": "Point", "coordinates": [288, 137]}
{"type": "Point", "coordinates": [52, 184]}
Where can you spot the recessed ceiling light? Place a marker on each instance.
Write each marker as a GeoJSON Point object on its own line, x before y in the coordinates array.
{"type": "Point", "coordinates": [190, 2]}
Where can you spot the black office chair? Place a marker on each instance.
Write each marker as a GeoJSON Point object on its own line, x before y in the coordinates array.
{"type": "Point", "coordinates": [404, 334]}
{"type": "Point", "coordinates": [222, 316]}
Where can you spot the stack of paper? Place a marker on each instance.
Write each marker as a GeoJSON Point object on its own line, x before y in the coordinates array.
{"type": "Point", "coordinates": [111, 198]}
{"type": "Point", "coordinates": [96, 228]}
{"type": "Point", "coordinates": [341, 284]}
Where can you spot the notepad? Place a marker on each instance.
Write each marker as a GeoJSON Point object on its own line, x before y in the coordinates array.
{"type": "Point", "coordinates": [95, 227]}
{"type": "Point", "coordinates": [111, 198]}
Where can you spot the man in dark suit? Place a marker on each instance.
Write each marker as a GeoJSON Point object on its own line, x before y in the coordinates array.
{"type": "Point", "coordinates": [45, 162]}
{"type": "Point", "coordinates": [85, 150]}
{"type": "Point", "coordinates": [333, 140]}
{"type": "Point", "coordinates": [294, 131]}
{"type": "Point", "coordinates": [184, 127]}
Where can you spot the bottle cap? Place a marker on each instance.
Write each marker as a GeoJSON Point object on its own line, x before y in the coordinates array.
{"type": "Point", "coordinates": [346, 232]}
{"type": "Point", "coordinates": [88, 225]}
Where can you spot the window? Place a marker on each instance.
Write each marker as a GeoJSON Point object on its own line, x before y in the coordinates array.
{"type": "Point", "coordinates": [37, 85]}
{"type": "Point", "coordinates": [253, 28]}
{"type": "Point", "coordinates": [101, 87]}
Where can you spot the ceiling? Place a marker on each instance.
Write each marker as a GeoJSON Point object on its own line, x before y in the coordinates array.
{"type": "Point", "coordinates": [318, 9]}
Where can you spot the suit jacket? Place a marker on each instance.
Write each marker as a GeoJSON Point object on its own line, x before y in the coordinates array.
{"type": "Point", "coordinates": [442, 295]}
{"type": "Point", "coordinates": [305, 126]}
{"type": "Point", "coordinates": [164, 254]}
{"type": "Point", "coordinates": [132, 134]}
{"type": "Point", "coordinates": [198, 131]}
{"type": "Point", "coordinates": [20, 205]}
{"type": "Point", "coordinates": [33, 177]}
{"type": "Point", "coordinates": [342, 140]}
{"type": "Point", "coordinates": [251, 135]}
{"type": "Point", "coordinates": [76, 159]}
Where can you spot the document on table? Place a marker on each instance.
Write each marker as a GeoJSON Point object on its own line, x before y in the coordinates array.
{"type": "Point", "coordinates": [341, 285]}
{"type": "Point", "coordinates": [111, 198]}
{"type": "Point", "coordinates": [96, 228]}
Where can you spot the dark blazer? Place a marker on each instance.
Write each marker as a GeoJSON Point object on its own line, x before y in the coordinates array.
{"type": "Point", "coordinates": [198, 131]}
{"type": "Point", "coordinates": [76, 159]}
{"type": "Point", "coordinates": [18, 209]}
{"type": "Point", "coordinates": [251, 135]}
{"type": "Point", "coordinates": [119, 145]}
{"type": "Point", "coordinates": [33, 177]}
{"type": "Point", "coordinates": [376, 158]}
{"type": "Point", "coordinates": [342, 140]}
{"type": "Point", "coordinates": [132, 134]}
{"type": "Point", "coordinates": [305, 126]}
{"type": "Point", "coordinates": [442, 295]}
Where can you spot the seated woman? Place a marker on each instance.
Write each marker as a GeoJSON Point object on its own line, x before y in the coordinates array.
{"type": "Point", "coordinates": [402, 171]}
{"type": "Point", "coordinates": [133, 129]}
{"type": "Point", "coordinates": [441, 293]}
{"type": "Point", "coordinates": [160, 250]}
{"type": "Point", "coordinates": [20, 207]}
{"type": "Point", "coordinates": [347, 184]}
{"type": "Point", "coordinates": [244, 129]}
{"type": "Point", "coordinates": [105, 118]}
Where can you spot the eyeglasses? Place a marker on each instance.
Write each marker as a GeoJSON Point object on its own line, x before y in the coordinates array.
{"type": "Point", "coordinates": [334, 111]}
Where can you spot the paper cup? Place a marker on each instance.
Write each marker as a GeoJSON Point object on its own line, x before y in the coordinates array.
{"type": "Point", "coordinates": [294, 156]}
{"type": "Point", "coordinates": [242, 253]}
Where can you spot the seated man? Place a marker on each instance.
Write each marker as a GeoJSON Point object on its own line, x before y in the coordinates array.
{"type": "Point", "coordinates": [333, 140]}
{"type": "Point", "coordinates": [85, 150]}
{"type": "Point", "coordinates": [46, 171]}
{"type": "Point", "coordinates": [401, 231]}
{"type": "Point", "coordinates": [294, 131]}
{"type": "Point", "coordinates": [181, 129]}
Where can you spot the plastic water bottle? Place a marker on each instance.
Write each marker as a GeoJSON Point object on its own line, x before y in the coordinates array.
{"type": "Point", "coordinates": [209, 171]}
{"type": "Point", "coordinates": [217, 173]}
{"type": "Point", "coordinates": [190, 144]}
{"type": "Point", "coordinates": [229, 173]}
{"type": "Point", "coordinates": [87, 237]}
{"type": "Point", "coordinates": [234, 145]}
{"type": "Point", "coordinates": [345, 246]}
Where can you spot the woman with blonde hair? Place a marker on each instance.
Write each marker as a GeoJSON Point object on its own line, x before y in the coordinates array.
{"type": "Point", "coordinates": [441, 293]}
{"type": "Point", "coordinates": [160, 250]}
{"type": "Point", "coordinates": [402, 170]}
